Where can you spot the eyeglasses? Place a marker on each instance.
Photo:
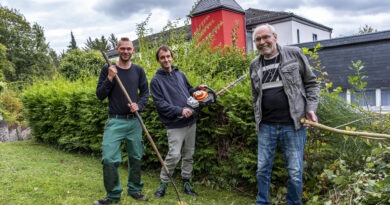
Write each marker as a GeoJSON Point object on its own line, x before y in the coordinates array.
{"type": "Point", "coordinates": [264, 38]}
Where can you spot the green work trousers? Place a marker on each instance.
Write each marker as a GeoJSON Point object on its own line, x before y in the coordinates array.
{"type": "Point", "coordinates": [115, 131]}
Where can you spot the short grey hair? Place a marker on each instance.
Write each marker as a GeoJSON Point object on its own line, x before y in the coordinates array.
{"type": "Point", "coordinates": [270, 27]}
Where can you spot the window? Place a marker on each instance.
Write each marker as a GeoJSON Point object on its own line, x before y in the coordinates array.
{"type": "Point", "coordinates": [385, 96]}
{"type": "Point", "coordinates": [362, 100]}
{"type": "Point", "coordinates": [298, 40]}
{"type": "Point", "coordinates": [249, 46]}
{"type": "Point", "coordinates": [343, 95]}
{"type": "Point", "coordinates": [314, 37]}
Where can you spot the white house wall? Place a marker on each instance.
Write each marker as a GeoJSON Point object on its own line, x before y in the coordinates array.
{"type": "Point", "coordinates": [282, 29]}
{"type": "Point", "coordinates": [306, 33]}
{"type": "Point", "coordinates": [287, 33]}
{"type": "Point", "coordinates": [284, 32]}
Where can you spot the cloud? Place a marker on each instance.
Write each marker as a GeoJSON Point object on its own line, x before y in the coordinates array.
{"type": "Point", "coordinates": [343, 23]}
{"type": "Point", "coordinates": [353, 6]}
{"type": "Point", "coordinates": [339, 7]}
{"type": "Point", "coordinates": [272, 5]}
{"type": "Point", "coordinates": [124, 8]}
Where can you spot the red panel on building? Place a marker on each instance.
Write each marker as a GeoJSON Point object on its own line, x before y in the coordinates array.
{"type": "Point", "coordinates": [230, 21]}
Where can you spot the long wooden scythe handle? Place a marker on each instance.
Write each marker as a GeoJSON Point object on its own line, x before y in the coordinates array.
{"type": "Point", "coordinates": [367, 135]}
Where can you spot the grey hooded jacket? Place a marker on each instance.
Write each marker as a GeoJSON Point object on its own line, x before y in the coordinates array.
{"type": "Point", "coordinates": [299, 83]}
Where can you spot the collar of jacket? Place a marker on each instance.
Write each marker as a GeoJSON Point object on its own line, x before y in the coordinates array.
{"type": "Point", "coordinates": [280, 48]}
{"type": "Point", "coordinates": [161, 71]}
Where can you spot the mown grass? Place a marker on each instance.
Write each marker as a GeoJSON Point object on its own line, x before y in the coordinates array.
{"type": "Point", "coordinates": [33, 173]}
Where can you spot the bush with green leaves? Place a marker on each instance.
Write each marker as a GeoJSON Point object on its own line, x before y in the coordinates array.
{"type": "Point", "coordinates": [10, 106]}
{"type": "Point", "coordinates": [370, 184]}
{"type": "Point", "coordinates": [65, 114]}
{"type": "Point", "coordinates": [78, 64]}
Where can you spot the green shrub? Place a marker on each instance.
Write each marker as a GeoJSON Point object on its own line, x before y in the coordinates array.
{"type": "Point", "coordinates": [11, 107]}
{"type": "Point", "coordinates": [65, 114]}
{"type": "Point", "coordinates": [80, 64]}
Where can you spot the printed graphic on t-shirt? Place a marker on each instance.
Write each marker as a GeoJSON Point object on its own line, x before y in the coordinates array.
{"type": "Point", "coordinates": [271, 78]}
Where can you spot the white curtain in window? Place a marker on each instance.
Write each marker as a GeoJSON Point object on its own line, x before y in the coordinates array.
{"type": "Point", "coordinates": [385, 96]}
{"type": "Point", "coordinates": [363, 99]}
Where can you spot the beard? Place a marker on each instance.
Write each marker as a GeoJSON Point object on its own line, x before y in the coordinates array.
{"type": "Point", "coordinates": [125, 58]}
{"type": "Point", "coordinates": [267, 49]}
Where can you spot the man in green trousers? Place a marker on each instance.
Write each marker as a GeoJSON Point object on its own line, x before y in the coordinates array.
{"type": "Point", "coordinates": [122, 123]}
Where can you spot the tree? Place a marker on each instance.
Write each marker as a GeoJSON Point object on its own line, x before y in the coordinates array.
{"type": "Point", "coordinates": [101, 44]}
{"type": "Point", "coordinates": [26, 46]}
{"type": "Point", "coordinates": [77, 64]}
{"type": "Point", "coordinates": [55, 57]}
{"type": "Point", "coordinates": [367, 29]}
{"type": "Point", "coordinates": [113, 40]}
{"type": "Point", "coordinates": [73, 44]}
{"type": "Point", "coordinates": [6, 67]}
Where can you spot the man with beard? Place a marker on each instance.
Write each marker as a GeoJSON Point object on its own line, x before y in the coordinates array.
{"type": "Point", "coordinates": [284, 89]}
{"type": "Point", "coordinates": [122, 124]}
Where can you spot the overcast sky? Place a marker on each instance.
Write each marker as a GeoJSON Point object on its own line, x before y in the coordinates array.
{"type": "Point", "coordinates": [94, 18]}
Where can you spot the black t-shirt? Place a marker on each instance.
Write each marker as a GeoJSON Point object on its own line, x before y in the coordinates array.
{"type": "Point", "coordinates": [275, 107]}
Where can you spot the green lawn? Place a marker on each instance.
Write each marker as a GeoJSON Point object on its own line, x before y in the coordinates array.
{"type": "Point", "coordinates": [32, 173]}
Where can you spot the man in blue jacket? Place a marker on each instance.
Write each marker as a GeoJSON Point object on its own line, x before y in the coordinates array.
{"type": "Point", "coordinates": [170, 90]}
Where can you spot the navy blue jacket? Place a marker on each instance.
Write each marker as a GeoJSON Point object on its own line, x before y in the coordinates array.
{"type": "Point", "coordinates": [170, 92]}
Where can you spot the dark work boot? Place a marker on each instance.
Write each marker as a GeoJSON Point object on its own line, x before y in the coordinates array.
{"type": "Point", "coordinates": [161, 190]}
{"type": "Point", "coordinates": [139, 197]}
{"type": "Point", "coordinates": [187, 188]}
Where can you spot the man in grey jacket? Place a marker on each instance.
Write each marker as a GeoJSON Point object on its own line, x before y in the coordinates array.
{"type": "Point", "coordinates": [284, 89]}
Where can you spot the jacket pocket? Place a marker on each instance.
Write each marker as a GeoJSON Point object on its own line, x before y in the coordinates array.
{"type": "Point", "coordinates": [255, 81]}
{"type": "Point", "coordinates": [291, 73]}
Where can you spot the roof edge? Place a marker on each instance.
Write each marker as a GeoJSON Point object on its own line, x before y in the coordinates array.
{"type": "Point", "coordinates": [215, 9]}
{"type": "Point", "coordinates": [348, 40]}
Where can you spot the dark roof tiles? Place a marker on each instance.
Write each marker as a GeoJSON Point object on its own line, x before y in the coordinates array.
{"type": "Point", "coordinates": [258, 16]}
{"type": "Point", "coordinates": [211, 5]}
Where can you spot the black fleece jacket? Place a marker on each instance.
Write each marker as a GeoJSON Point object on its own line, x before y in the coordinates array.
{"type": "Point", "coordinates": [170, 91]}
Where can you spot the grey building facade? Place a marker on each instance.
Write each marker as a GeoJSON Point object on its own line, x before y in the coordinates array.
{"type": "Point", "coordinates": [372, 49]}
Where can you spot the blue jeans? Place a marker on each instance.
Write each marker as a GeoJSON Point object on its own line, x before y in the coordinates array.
{"type": "Point", "coordinates": [293, 145]}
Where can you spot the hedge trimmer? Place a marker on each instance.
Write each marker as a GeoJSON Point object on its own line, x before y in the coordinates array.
{"type": "Point", "coordinates": [206, 96]}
